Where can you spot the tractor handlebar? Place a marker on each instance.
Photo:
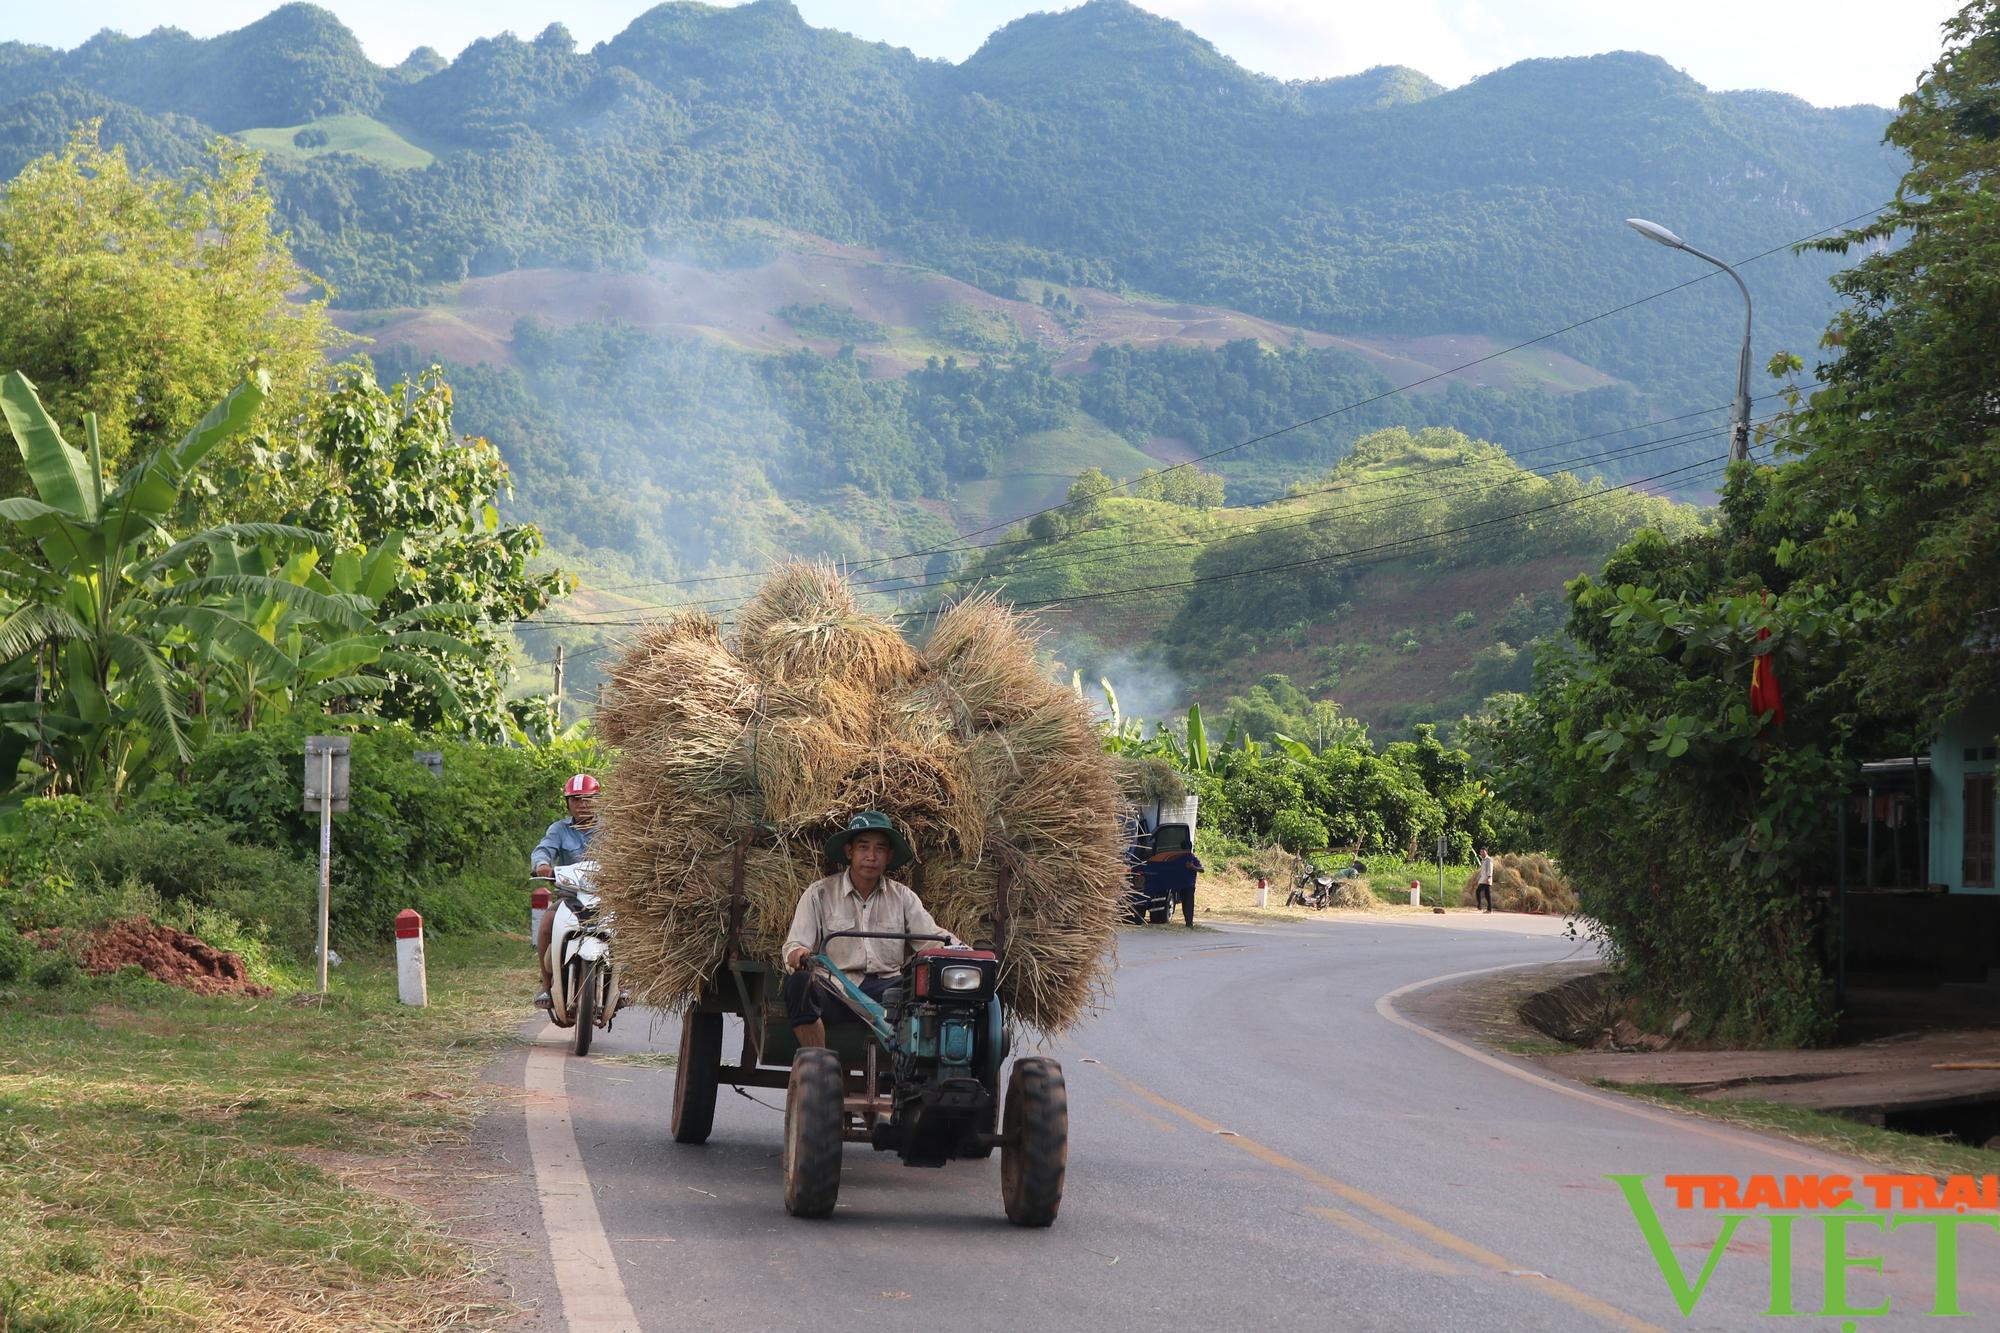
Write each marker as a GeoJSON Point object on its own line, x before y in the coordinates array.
{"type": "Point", "coordinates": [880, 935]}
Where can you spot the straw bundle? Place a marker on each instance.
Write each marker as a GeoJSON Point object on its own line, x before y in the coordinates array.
{"type": "Point", "coordinates": [1524, 882]}
{"type": "Point", "coordinates": [1355, 895]}
{"type": "Point", "coordinates": [803, 626]}
{"type": "Point", "coordinates": [822, 710]}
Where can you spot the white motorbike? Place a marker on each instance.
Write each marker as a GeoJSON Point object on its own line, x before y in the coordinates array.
{"type": "Point", "coordinates": [584, 992]}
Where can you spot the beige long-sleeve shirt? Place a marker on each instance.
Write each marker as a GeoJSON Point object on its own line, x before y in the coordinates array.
{"type": "Point", "coordinates": [833, 903]}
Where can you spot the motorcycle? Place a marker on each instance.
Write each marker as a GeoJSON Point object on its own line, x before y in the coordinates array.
{"type": "Point", "coordinates": [584, 990]}
{"type": "Point", "coordinates": [1313, 889]}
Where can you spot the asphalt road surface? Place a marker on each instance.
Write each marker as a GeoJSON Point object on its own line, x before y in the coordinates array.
{"type": "Point", "coordinates": [1255, 1141]}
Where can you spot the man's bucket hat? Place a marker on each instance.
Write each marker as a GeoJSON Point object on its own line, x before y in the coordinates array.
{"type": "Point", "coordinates": [870, 821]}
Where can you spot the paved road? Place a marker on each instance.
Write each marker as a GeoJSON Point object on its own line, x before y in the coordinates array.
{"type": "Point", "coordinates": [1253, 1143]}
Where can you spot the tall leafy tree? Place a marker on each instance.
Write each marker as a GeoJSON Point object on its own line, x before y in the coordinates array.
{"type": "Point", "coordinates": [1898, 494]}
{"type": "Point", "coordinates": [141, 298]}
{"type": "Point", "coordinates": [388, 464]}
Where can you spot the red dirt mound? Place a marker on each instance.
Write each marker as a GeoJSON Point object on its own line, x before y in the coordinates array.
{"type": "Point", "coordinates": [168, 955]}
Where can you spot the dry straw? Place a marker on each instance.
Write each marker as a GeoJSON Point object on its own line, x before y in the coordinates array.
{"type": "Point", "coordinates": [992, 768]}
{"type": "Point", "coordinates": [1524, 883]}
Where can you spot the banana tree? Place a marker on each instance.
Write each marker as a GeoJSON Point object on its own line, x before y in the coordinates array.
{"type": "Point", "coordinates": [264, 654]}
{"type": "Point", "coordinates": [101, 602]}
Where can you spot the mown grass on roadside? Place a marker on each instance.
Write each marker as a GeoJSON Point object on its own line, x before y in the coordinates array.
{"type": "Point", "coordinates": [157, 1149]}
{"type": "Point", "coordinates": [1912, 1153]}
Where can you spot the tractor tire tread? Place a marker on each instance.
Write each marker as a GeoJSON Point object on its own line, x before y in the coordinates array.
{"type": "Point", "coordinates": [814, 1132]}
{"type": "Point", "coordinates": [696, 1076]}
{"type": "Point", "coordinates": [1034, 1156]}
{"type": "Point", "coordinates": [584, 1011]}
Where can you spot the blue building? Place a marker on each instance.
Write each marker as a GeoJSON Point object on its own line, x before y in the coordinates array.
{"type": "Point", "coordinates": [1918, 894]}
{"type": "Point", "coordinates": [1963, 809]}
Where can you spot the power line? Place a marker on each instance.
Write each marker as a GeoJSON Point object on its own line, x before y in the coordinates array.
{"type": "Point", "coordinates": [1400, 546]}
{"type": "Point", "coordinates": [960, 542]}
{"type": "Point", "coordinates": [1399, 499]}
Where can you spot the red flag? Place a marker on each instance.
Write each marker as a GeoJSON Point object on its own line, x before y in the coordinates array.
{"type": "Point", "coordinates": [1764, 695]}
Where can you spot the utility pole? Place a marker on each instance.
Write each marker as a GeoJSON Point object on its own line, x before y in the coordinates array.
{"type": "Point", "coordinates": [559, 684]}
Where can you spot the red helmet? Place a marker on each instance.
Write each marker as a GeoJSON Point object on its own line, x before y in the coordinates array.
{"type": "Point", "coordinates": [580, 784]}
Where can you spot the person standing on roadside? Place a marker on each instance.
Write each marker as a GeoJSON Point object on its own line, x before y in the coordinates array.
{"type": "Point", "coordinates": [1177, 871]}
{"type": "Point", "coordinates": [1483, 895]}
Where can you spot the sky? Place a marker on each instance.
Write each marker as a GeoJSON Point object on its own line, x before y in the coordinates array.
{"type": "Point", "coordinates": [1829, 52]}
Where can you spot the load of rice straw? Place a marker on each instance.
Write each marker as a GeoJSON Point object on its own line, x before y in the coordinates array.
{"type": "Point", "coordinates": [1524, 882]}
{"type": "Point", "coordinates": [1355, 895]}
{"type": "Point", "coordinates": [818, 710]}
{"type": "Point", "coordinates": [1146, 780]}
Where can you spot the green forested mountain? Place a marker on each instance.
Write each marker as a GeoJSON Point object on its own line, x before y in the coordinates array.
{"type": "Point", "coordinates": [1099, 145]}
{"type": "Point", "coordinates": [727, 285]}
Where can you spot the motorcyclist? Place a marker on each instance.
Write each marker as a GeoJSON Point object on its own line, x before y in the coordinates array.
{"type": "Point", "coordinates": [566, 843]}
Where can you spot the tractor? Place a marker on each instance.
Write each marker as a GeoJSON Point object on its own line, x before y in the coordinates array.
{"type": "Point", "coordinates": [918, 1076]}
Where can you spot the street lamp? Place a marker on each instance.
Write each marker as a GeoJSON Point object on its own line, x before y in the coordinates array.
{"type": "Point", "coordinates": [1739, 422]}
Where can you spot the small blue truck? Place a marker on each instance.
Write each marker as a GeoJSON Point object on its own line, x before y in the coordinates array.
{"type": "Point", "coordinates": [1154, 832]}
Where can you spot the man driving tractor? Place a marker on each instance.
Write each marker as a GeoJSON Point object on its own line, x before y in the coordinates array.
{"type": "Point", "coordinates": [566, 843]}
{"type": "Point", "coordinates": [860, 897]}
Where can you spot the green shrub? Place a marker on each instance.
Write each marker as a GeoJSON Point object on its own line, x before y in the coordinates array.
{"type": "Point", "coordinates": [203, 869]}
{"type": "Point", "coordinates": [36, 890]}
{"type": "Point", "coordinates": [1298, 831]}
{"type": "Point", "coordinates": [455, 847]}
{"type": "Point", "coordinates": [17, 954]}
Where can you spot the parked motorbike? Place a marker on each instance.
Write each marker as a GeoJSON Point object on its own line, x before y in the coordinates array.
{"type": "Point", "coordinates": [584, 991]}
{"type": "Point", "coordinates": [1313, 889]}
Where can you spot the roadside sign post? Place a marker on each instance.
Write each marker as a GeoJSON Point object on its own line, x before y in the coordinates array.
{"type": "Point", "coordinates": [326, 788]}
{"type": "Point", "coordinates": [1441, 851]}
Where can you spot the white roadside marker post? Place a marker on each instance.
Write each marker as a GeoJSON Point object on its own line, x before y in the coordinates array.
{"type": "Point", "coordinates": [411, 987]}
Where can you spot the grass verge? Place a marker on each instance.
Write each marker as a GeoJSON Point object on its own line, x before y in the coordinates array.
{"type": "Point", "coordinates": [1910, 1153]}
{"type": "Point", "coordinates": [164, 1158]}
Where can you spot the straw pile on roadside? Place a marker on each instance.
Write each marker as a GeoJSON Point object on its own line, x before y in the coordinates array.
{"type": "Point", "coordinates": [1522, 882]}
{"type": "Point", "coordinates": [818, 710]}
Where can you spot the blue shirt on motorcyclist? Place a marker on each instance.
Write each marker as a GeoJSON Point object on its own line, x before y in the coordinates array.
{"type": "Point", "coordinates": [564, 844]}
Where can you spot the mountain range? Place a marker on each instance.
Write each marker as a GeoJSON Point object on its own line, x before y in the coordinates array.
{"type": "Point", "coordinates": [727, 283]}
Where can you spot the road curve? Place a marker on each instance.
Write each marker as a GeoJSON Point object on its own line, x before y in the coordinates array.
{"type": "Point", "coordinates": [1253, 1143]}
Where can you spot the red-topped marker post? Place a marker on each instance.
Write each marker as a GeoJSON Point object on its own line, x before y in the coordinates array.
{"type": "Point", "coordinates": [410, 985]}
{"type": "Point", "coordinates": [538, 906]}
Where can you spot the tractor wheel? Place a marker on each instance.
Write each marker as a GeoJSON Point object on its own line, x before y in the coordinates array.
{"type": "Point", "coordinates": [695, 1076]}
{"type": "Point", "coordinates": [814, 1121]}
{"type": "Point", "coordinates": [1157, 915]}
{"type": "Point", "coordinates": [1034, 1154]}
{"type": "Point", "coordinates": [585, 1007]}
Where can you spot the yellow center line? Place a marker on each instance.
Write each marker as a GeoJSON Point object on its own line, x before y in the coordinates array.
{"type": "Point", "coordinates": [1605, 1313]}
{"type": "Point", "coordinates": [1382, 1240]}
{"type": "Point", "coordinates": [1141, 1113]}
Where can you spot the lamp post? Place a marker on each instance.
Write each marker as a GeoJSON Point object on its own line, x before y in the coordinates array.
{"type": "Point", "coordinates": [1739, 422]}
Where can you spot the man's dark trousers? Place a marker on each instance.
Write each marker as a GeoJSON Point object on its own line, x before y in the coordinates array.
{"type": "Point", "coordinates": [808, 1003]}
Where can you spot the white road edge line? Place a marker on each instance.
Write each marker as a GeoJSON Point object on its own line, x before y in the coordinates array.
{"type": "Point", "coordinates": [1386, 1007]}
{"type": "Point", "coordinates": [593, 1294]}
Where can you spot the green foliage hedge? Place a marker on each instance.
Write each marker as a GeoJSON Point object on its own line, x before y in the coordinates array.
{"type": "Point", "coordinates": [454, 848]}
